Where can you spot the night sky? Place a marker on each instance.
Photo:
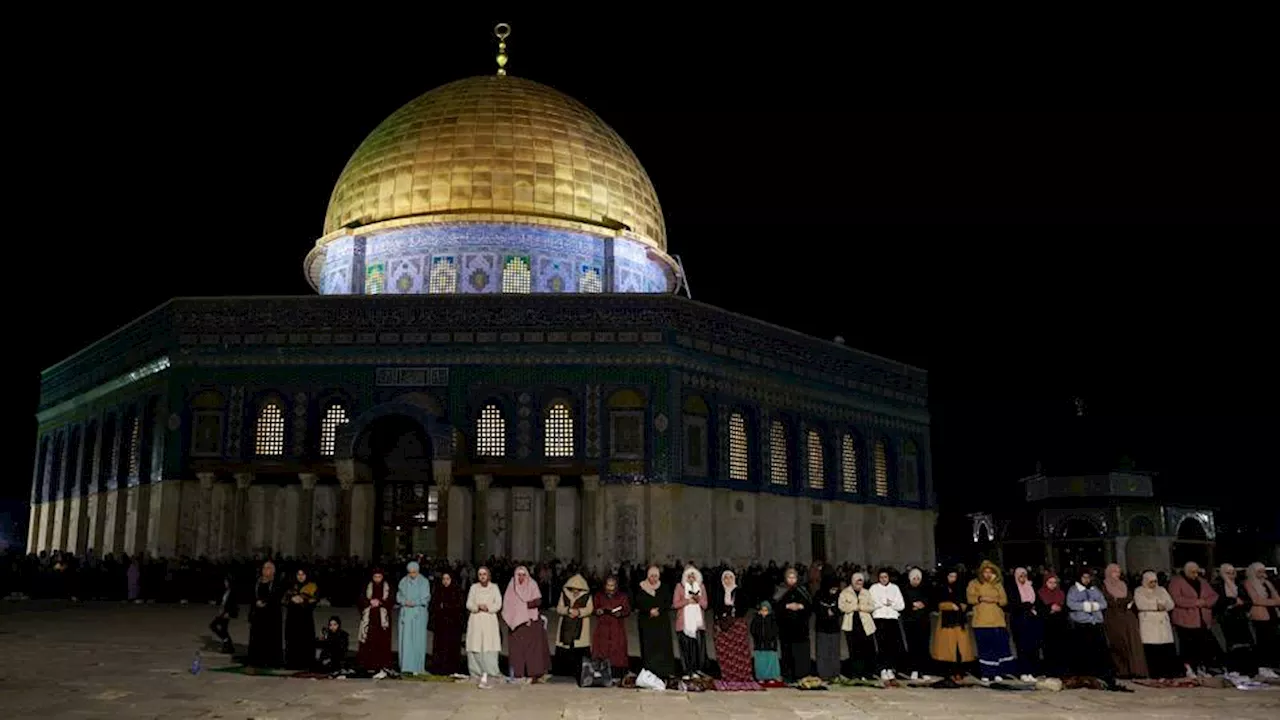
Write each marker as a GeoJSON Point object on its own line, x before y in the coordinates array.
{"type": "Point", "coordinates": [1030, 218]}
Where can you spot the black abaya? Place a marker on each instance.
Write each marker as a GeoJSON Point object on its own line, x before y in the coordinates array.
{"type": "Point", "coordinates": [656, 653]}
{"type": "Point", "coordinates": [266, 647]}
{"type": "Point", "coordinates": [793, 632]}
{"type": "Point", "coordinates": [300, 631]}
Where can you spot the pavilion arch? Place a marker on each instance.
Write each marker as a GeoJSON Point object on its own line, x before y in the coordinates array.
{"type": "Point", "coordinates": [1080, 527]}
{"type": "Point", "coordinates": [1192, 527]}
{"type": "Point", "coordinates": [439, 432]}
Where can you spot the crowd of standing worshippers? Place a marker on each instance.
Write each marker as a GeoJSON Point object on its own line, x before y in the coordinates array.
{"type": "Point", "coordinates": [1001, 628]}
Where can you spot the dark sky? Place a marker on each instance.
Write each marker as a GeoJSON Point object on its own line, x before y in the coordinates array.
{"type": "Point", "coordinates": [1030, 216]}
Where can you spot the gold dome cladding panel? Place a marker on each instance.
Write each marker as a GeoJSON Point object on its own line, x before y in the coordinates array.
{"type": "Point", "coordinates": [496, 144]}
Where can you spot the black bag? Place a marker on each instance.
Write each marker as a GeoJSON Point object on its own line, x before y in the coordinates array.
{"type": "Point", "coordinates": [595, 673]}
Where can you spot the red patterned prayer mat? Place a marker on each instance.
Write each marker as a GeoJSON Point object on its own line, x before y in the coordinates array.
{"type": "Point", "coordinates": [722, 686]}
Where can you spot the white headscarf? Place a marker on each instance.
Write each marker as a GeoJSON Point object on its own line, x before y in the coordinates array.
{"type": "Point", "coordinates": [692, 612]}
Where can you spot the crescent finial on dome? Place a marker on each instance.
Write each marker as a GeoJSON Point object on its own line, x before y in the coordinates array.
{"type": "Point", "coordinates": [502, 30]}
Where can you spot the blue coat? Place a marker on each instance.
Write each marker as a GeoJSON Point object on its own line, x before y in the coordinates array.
{"type": "Point", "coordinates": [413, 622]}
{"type": "Point", "coordinates": [1077, 597]}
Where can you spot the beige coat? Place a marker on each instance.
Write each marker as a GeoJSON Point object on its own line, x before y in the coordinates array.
{"type": "Point", "coordinates": [1153, 615]}
{"type": "Point", "coordinates": [482, 628]}
{"type": "Point", "coordinates": [562, 609]}
{"type": "Point", "coordinates": [852, 603]}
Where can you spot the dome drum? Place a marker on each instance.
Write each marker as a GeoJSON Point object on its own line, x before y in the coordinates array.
{"type": "Point", "coordinates": [470, 258]}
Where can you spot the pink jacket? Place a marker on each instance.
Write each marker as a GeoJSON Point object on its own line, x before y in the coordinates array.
{"type": "Point", "coordinates": [1187, 612]}
{"type": "Point", "coordinates": [680, 601]}
{"type": "Point", "coordinates": [1260, 604]}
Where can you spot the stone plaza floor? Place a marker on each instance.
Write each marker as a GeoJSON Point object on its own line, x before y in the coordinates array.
{"type": "Point", "coordinates": [103, 660]}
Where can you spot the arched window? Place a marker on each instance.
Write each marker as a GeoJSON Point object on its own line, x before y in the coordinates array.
{"type": "Point", "coordinates": [739, 465]}
{"type": "Point", "coordinates": [444, 275]}
{"type": "Point", "coordinates": [557, 431]}
{"type": "Point", "coordinates": [334, 416]}
{"type": "Point", "coordinates": [813, 446]}
{"type": "Point", "coordinates": [590, 281]}
{"type": "Point", "coordinates": [491, 432]}
{"type": "Point", "coordinates": [269, 434]}
{"type": "Point", "coordinates": [880, 458]}
{"type": "Point", "coordinates": [516, 275]}
{"type": "Point", "coordinates": [849, 464]}
{"type": "Point", "coordinates": [695, 436]}
{"type": "Point", "coordinates": [908, 471]}
{"type": "Point", "coordinates": [135, 446]}
{"type": "Point", "coordinates": [778, 474]}
{"type": "Point", "coordinates": [626, 425]}
{"type": "Point", "coordinates": [208, 415]}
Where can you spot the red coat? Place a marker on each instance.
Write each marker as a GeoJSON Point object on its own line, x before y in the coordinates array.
{"type": "Point", "coordinates": [609, 634]}
{"type": "Point", "coordinates": [1187, 612]}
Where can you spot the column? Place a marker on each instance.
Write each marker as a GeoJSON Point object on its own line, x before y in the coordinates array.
{"type": "Point", "coordinates": [205, 539]}
{"type": "Point", "coordinates": [549, 485]}
{"type": "Point", "coordinates": [480, 523]}
{"type": "Point", "coordinates": [346, 481]}
{"type": "Point", "coordinates": [442, 473]}
{"type": "Point", "coordinates": [240, 513]}
{"type": "Point", "coordinates": [587, 524]}
{"type": "Point", "coordinates": [363, 524]}
{"type": "Point", "coordinates": [306, 512]}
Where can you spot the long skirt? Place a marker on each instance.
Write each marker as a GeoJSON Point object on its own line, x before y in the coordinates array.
{"type": "Point", "coordinates": [693, 652]}
{"type": "Point", "coordinates": [530, 655]}
{"type": "Point", "coordinates": [916, 658]}
{"type": "Point", "coordinates": [656, 654]}
{"type": "Point", "coordinates": [795, 660]}
{"type": "Point", "coordinates": [483, 663]}
{"type": "Point", "coordinates": [828, 652]}
{"type": "Point", "coordinates": [266, 641]}
{"type": "Point", "coordinates": [733, 651]}
{"type": "Point", "coordinates": [446, 650]}
{"type": "Point", "coordinates": [888, 643]}
{"type": "Point", "coordinates": [1162, 661]}
{"type": "Point", "coordinates": [1028, 635]}
{"type": "Point", "coordinates": [952, 645]}
{"type": "Point", "coordinates": [994, 652]}
{"type": "Point", "coordinates": [862, 652]}
{"type": "Point", "coordinates": [1267, 635]}
{"type": "Point", "coordinates": [1198, 647]}
{"type": "Point", "coordinates": [767, 668]}
{"type": "Point", "coordinates": [1125, 643]}
{"type": "Point", "coordinates": [1091, 657]}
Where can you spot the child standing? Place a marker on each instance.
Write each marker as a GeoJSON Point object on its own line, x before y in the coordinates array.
{"type": "Point", "coordinates": [764, 634]}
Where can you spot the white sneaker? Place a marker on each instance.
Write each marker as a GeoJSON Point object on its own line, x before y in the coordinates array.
{"type": "Point", "coordinates": [915, 675]}
{"type": "Point", "coordinates": [1028, 678]}
{"type": "Point", "coordinates": [998, 678]}
{"type": "Point", "coordinates": [1191, 673]}
{"type": "Point", "coordinates": [1267, 673]}
{"type": "Point", "coordinates": [380, 675]}
{"type": "Point", "coordinates": [484, 681]}
{"type": "Point", "coordinates": [890, 675]}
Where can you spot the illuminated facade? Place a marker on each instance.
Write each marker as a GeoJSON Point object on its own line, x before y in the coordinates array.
{"type": "Point", "coordinates": [497, 363]}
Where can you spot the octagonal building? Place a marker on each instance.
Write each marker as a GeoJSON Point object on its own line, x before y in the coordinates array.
{"type": "Point", "coordinates": [497, 362]}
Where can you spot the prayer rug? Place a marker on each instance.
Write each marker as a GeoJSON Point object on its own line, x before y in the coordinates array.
{"type": "Point", "coordinates": [249, 670]}
{"type": "Point", "coordinates": [752, 686]}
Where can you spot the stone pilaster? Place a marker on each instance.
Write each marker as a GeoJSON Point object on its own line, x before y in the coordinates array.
{"type": "Point", "coordinates": [480, 525]}
{"type": "Point", "coordinates": [587, 525]}
{"type": "Point", "coordinates": [550, 483]}
{"type": "Point", "coordinates": [363, 522]}
{"type": "Point", "coordinates": [306, 512]}
{"type": "Point", "coordinates": [205, 539]}
{"type": "Point", "coordinates": [346, 483]}
{"type": "Point", "coordinates": [240, 513]}
{"type": "Point", "coordinates": [442, 474]}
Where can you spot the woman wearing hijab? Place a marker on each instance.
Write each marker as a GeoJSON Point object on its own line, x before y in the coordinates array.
{"type": "Point", "coordinates": [1232, 614]}
{"type": "Point", "coordinates": [1153, 605]}
{"type": "Point", "coordinates": [653, 617]}
{"type": "Point", "coordinates": [733, 648]}
{"type": "Point", "coordinates": [609, 636]}
{"type": "Point", "coordinates": [987, 596]}
{"type": "Point", "coordinates": [1265, 617]}
{"type": "Point", "coordinates": [265, 644]}
{"type": "Point", "coordinates": [764, 634]}
{"type": "Point", "coordinates": [573, 633]}
{"type": "Point", "coordinates": [793, 604]}
{"type": "Point", "coordinates": [915, 624]}
{"type": "Point", "coordinates": [300, 623]}
{"type": "Point", "coordinates": [1052, 609]}
{"type": "Point", "coordinates": [446, 620]}
{"type": "Point", "coordinates": [484, 641]}
{"type": "Point", "coordinates": [953, 645]}
{"type": "Point", "coordinates": [527, 640]}
{"type": "Point", "coordinates": [1086, 604]}
{"type": "Point", "coordinates": [1194, 599]}
{"type": "Point", "coordinates": [1028, 630]}
{"type": "Point", "coordinates": [827, 619]}
{"type": "Point", "coordinates": [859, 628]}
{"type": "Point", "coordinates": [414, 598]}
{"type": "Point", "coordinates": [1120, 621]}
{"type": "Point", "coordinates": [690, 603]}
{"type": "Point", "coordinates": [374, 635]}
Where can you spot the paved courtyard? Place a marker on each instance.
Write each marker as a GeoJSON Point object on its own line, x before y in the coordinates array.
{"type": "Point", "coordinates": [111, 661]}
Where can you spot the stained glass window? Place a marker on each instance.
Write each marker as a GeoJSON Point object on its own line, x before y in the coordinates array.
{"type": "Point", "coordinates": [880, 457]}
{"type": "Point", "coordinates": [269, 438]}
{"type": "Point", "coordinates": [591, 280]}
{"type": "Point", "coordinates": [516, 275]}
{"type": "Point", "coordinates": [778, 474]}
{"type": "Point", "coordinates": [491, 432]}
{"type": "Point", "coordinates": [817, 478]}
{"type": "Point", "coordinates": [849, 464]}
{"type": "Point", "coordinates": [738, 463]}
{"type": "Point", "coordinates": [558, 431]}
{"type": "Point", "coordinates": [334, 416]}
{"type": "Point", "coordinates": [444, 275]}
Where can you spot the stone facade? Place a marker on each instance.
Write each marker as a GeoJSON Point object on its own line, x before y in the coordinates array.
{"type": "Point", "coordinates": [217, 427]}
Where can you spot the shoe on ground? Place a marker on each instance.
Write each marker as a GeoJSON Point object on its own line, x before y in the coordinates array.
{"type": "Point", "coordinates": [1028, 678]}
{"type": "Point", "coordinates": [1191, 673]}
{"type": "Point", "coordinates": [890, 675]}
{"type": "Point", "coordinates": [380, 675]}
{"type": "Point", "coordinates": [1267, 673]}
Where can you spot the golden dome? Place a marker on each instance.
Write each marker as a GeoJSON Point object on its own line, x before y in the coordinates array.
{"type": "Point", "coordinates": [504, 145]}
